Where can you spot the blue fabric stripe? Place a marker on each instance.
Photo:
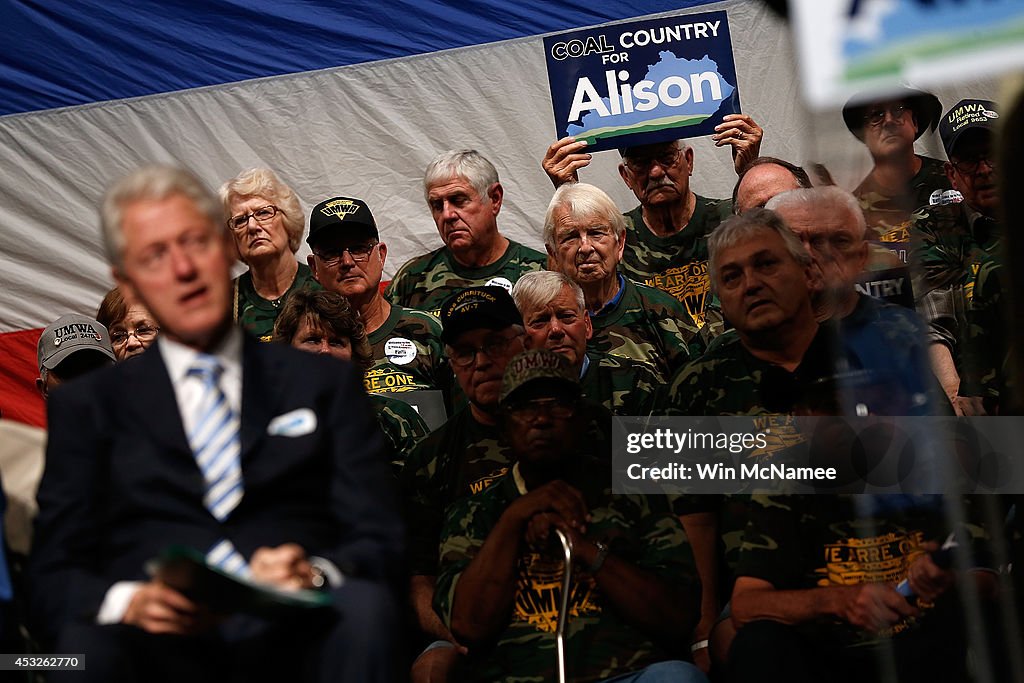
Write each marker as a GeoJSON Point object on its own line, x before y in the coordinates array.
{"type": "Point", "coordinates": [70, 53]}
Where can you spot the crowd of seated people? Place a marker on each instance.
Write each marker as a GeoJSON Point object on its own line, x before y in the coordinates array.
{"type": "Point", "coordinates": [434, 538]}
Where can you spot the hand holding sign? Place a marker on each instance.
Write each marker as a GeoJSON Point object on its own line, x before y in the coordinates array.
{"type": "Point", "coordinates": [564, 159]}
{"type": "Point", "coordinates": [744, 136]}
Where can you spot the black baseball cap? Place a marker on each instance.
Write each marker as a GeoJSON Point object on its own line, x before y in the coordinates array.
{"type": "Point", "coordinates": [340, 213]}
{"type": "Point", "coordinates": [966, 116]}
{"type": "Point", "coordinates": [477, 308]}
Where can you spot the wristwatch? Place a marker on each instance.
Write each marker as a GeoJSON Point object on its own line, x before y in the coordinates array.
{"type": "Point", "coordinates": [602, 554]}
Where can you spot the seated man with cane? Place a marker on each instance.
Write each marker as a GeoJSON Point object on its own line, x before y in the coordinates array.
{"type": "Point", "coordinates": [634, 596]}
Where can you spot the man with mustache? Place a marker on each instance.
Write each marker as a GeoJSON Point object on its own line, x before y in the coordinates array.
{"type": "Point", "coordinates": [585, 236]}
{"type": "Point", "coordinates": [952, 242]}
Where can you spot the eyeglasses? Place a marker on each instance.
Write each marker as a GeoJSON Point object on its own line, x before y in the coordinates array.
{"type": "Point", "coordinates": [144, 333]}
{"type": "Point", "coordinates": [464, 356]}
{"type": "Point", "coordinates": [972, 166]}
{"type": "Point", "coordinates": [358, 252]}
{"type": "Point", "coordinates": [262, 215]}
{"type": "Point", "coordinates": [558, 408]}
{"type": "Point", "coordinates": [876, 116]}
{"type": "Point", "coordinates": [666, 159]}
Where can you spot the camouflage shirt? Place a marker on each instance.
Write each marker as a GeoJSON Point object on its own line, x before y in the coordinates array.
{"type": "Point", "coordinates": [600, 643]}
{"type": "Point", "coordinates": [949, 245]}
{"type": "Point", "coordinates": [622, 385]}
{"type": "Point", "coordinates": [986, 351]}
{"type": "Point", "coordinates": [678, 263]}
{"type": "Point", "coordinates": [460, 458]}
{"type": "Point", "coordinates": [255, 314]}
{"type": "Point", "coordinates": [729, 380]}
{"type": "Point", "coordinates": [407, 353]}
{"type": "Point", "coordinates": [876, 355]}
{"type": "Point", "coordinates": [889, 214]}
{"type": "Point", "coordinates": [645, 324]}
{"type": "Point", "coordinates": [424, 282]}
{"type": "Point", "coordinates": [402, 426]}
{"type": "Point", "coordinates": [802, 542]}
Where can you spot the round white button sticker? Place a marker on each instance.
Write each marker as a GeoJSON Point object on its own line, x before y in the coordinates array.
{"type": "Point", "coordinates": [500, 282]}
{"type": "Point", "coordinates": [400, 350]}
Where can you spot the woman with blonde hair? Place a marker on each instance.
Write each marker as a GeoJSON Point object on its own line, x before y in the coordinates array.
{"type": "Point", "coordinates": [267, 223]}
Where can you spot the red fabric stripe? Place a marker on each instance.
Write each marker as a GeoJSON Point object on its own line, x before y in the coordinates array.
{"type": "Point", "coordinates": [19, 399]}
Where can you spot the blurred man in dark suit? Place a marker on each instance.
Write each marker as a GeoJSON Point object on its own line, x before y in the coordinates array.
{"type": "Point", "coordinates": [264, 459]}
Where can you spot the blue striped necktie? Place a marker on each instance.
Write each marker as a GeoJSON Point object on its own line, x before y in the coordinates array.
{"type": "Point", "coordinates": [216, 446]}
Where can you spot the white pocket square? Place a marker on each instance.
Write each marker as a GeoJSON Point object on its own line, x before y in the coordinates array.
{"type": "Point", "coordinates": [297, 422]}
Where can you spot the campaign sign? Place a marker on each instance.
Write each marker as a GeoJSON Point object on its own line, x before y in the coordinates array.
{"type": "Point", "coordinates": [643, 82]}
{"type": "Point", "coordinates": [855, 47]}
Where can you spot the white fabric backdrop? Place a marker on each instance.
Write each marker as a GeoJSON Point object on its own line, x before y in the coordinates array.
{"type": "Point", "coordinates": [366, 131]}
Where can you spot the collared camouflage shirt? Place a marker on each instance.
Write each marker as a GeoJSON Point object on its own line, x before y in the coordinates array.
{"type": "Point", "coordinates": [949, 245]}
{"type": "Point", "coordinates": [600, 643]}
{"type": "Point", "coordinates": [729, 380]}
{"type": "Point", "coordinates": [407, 354]}
{"type": "Point", "coordinates": [647, 325]}
{"type": "Point", "coordinates": [424, 282]}
{"type": "Point", "coordinates": [876, 356]}
{"type": "Point", "coordinates": [678, 263]}
{"type": "Point", "coordinates": [257, 315]}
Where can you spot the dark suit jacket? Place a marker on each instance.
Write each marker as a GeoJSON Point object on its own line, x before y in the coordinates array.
{"type": "Point", "coordinates": [121, 483]}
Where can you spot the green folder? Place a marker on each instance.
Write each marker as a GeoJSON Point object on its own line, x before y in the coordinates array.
{"type": "Point", "coordinates": [186, 570]}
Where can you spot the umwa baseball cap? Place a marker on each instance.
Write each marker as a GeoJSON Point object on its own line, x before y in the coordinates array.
{"type": "Point", "coordinates": [70, 334]}
{"type": "Point", "coordinates": [341, 213]}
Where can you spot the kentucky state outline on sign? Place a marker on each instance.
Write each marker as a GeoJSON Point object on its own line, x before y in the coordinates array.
{"type": "Point", "coordinates": [642, 82]}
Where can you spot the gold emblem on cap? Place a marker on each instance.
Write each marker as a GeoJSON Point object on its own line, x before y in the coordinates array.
{"type": "Point", "coordinates": [339, 208]}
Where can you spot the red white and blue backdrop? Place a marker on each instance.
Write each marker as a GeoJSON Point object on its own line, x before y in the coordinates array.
{"type": "Point", "coordinates": [338, 98]}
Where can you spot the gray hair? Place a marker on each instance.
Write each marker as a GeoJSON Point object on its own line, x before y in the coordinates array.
{"type": "Point", "coordinates": [736, 228]}
{"type": "Point", "coordinates": [462, 163]}
{"type": "Point", "coordinates": [262, 182]}
{"type": "Point", "coordinates": [539, 288]}
{"type": "Point", "coordinates": [582, 200]}
{"type": "Point", "coordinates": [827, 198]}
{"type": "Point", "coordinates": [152, 183]}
